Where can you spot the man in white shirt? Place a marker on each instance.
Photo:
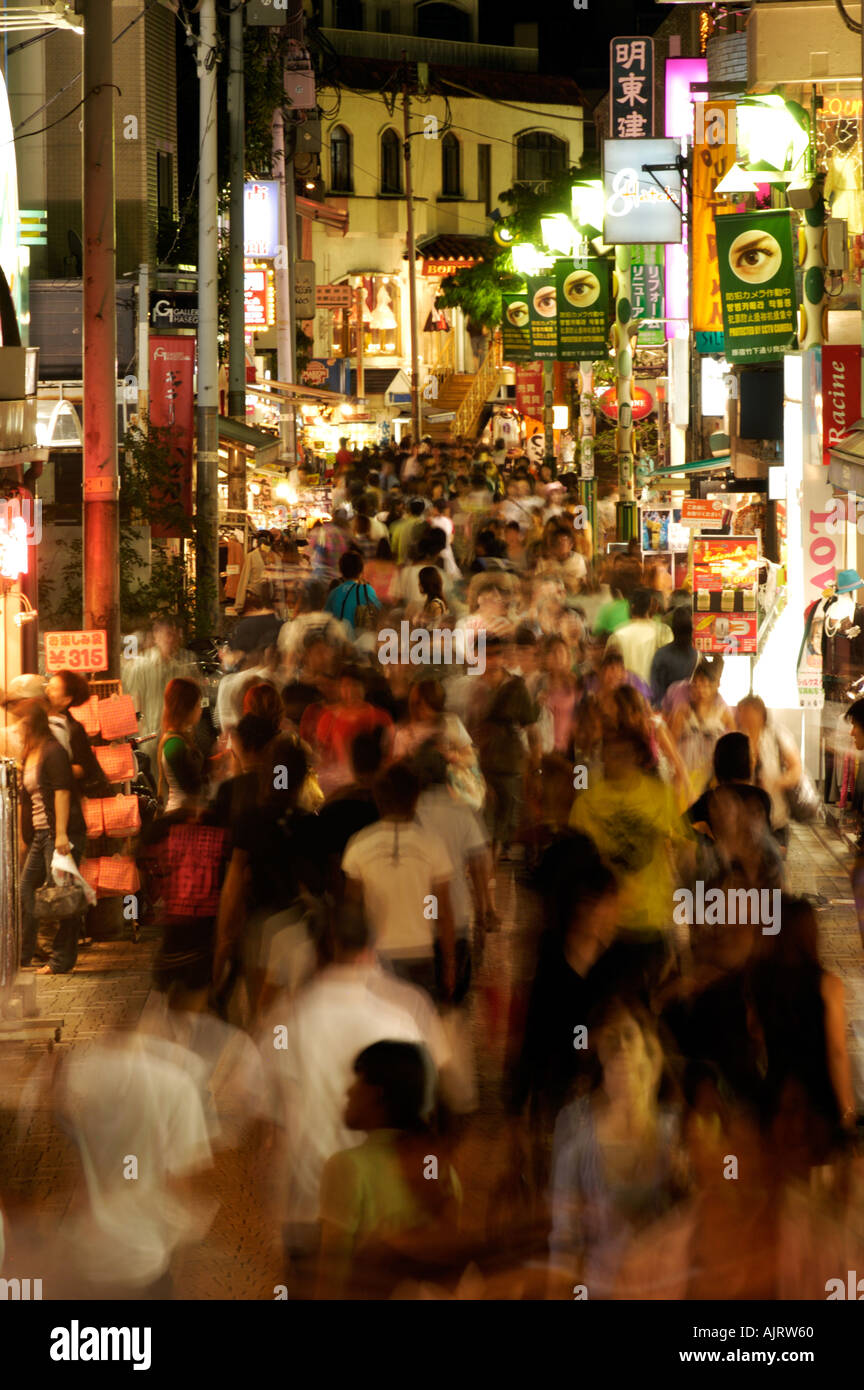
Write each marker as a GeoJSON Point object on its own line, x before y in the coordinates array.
{"type": "Point", "coordinates": [639, 639]}
{"type": "Point", "coordinates": [309, 1044]}
{"type": "Point", "coordinates": [402, 875]}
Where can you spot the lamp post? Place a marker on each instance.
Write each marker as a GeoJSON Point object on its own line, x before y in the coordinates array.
{"type": "Point", "coordinates": [621, 331]}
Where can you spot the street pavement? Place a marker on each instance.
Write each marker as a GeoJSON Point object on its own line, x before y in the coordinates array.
{"type": "Point", "coordinates": [40, 1172]}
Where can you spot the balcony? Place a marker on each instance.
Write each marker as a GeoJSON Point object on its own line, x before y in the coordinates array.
{"type": "Point", "coordinates": [354, 43]}
{"type": "Point", "coordinates": [19, 369]}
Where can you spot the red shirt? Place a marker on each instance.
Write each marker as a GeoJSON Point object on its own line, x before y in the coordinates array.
{"type": "Point", "coordinates": [340, 724]}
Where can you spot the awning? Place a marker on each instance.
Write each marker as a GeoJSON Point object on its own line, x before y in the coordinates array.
{"type": "Point", "coordinates": [296, 392]}
{"type": "Point", "coordinates": [444, 254]}
{"type": "Point", "coordinates": [684, 470]}
{"type": "Point", "coordinates": [259, 447]}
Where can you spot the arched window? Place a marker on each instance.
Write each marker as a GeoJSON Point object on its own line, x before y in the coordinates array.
{"type": "Point", "coordinates": [341, 172]}
{"type": "Point", "coordinates": [391, 162]}
{"type": "Point", "coordinates": [451, 167]}
{"type": "Point", "coordinates": [539, 156]}
{"type": "Point", "coordinates": [435, 20]}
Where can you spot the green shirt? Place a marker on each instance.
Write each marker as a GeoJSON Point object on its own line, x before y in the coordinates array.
{"type": "Point", "coordinates": [612, 615]}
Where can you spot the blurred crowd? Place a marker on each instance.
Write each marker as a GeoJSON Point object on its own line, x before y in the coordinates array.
{"type": "Point", "coordinates": [486, 968]}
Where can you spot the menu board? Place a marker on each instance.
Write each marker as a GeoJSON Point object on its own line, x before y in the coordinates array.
{"type": "Point", "coordinates": [725, 580]}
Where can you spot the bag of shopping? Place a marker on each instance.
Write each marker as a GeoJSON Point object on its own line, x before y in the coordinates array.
{"type": "Point", "coordinates": [121, 816]}
{"type": "Point", "coordinates": [116, 761]}
{"type": "Point", "coordinates": [92, 809]}
{"type": "Point", "coordinates": [803, 801]}
{"type": "Point", "coordinates": [68, 895]}
{"type": "Point", "coordinates": [88, 715]}
{"type": "Point", "coordinates": [118, 873]}
{"type": "Point", "coordinates": [117, 717]}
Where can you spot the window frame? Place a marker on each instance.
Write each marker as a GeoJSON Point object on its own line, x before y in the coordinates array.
{"type": "Point", "coordinates": [555, 142]}
{"type": "Point", "coordinates": [450, 141]}
{"type": "Point", "coordinates": [348, 186]}
{"type": "Point", "coordinates": [395, 143]}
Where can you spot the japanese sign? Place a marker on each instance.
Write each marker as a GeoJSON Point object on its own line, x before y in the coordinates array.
{"type": "Point", "coordinates": [515, 333]}
{"type": "Point", "coordinates": [841, 393]}
{"type": "Point", "coordinates": [543, 315]}
{"type": "Point", "coordinates": [582, 291]}
{"type": "Point", "coordinates": [646, 292]}
{"type": "Point", "coordinates": [631, 88]}
{"type": "Point", "coordinates": [702, 512]}
{"type": "Point", "coordinates": [529, 390]}
{"type": "Point", "coordinates": [757, 285]}
{"type": "Point", "coordinates": [725, 588]}
{"type": "Point", "coordinates": [642, 184]}
{"type": "Point", "coordinates": [334, 296]}
{"type": "Point", "coordinates": [304, 289]}
{"type": "Point", "coordinates": [76, 651]}
{"type": "Point", "coordinates": [261, 219]}
{"type": "Point", "coordinates": [259, 295]}
{"type": "Point", "coordinates": [172, 407]}
{"type": "Point", "coordinates": [714, 153]}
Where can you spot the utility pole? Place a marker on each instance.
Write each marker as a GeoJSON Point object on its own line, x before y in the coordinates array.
{"type": "Point", "coordinates": [286, 319]}
{"type": "Point", "coordinates": [237, 156]}
{"type": "Point", "coordinates": [143, 342]}
{"type": "Point", "coordinates": [412, 268]}
{"type": "Point", "coordinates": [206, 494]}
{"type": "Point", "coordinates": [101, 544]}
{"type": "Point", "coordinates": [360, 391]}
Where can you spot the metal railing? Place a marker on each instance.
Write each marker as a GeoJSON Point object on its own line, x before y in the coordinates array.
{"type": "Point", "coordinates": [487, 377]}
{"type": "Point", "coordinates": [446, 362]}
{"type": "Point", "coordinates": [355, 43]}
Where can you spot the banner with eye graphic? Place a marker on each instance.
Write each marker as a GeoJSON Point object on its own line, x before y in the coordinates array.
{"type": "Point", "coordinates": [515, 332]}
{"type": "Point", "coordinates": [543, 315]}
{"type": "Point", "coordinates": [582, 288]}
{"type": "Point", "coordinates": [757, 285]}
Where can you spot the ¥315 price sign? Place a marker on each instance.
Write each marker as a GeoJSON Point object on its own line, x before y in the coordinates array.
{"type": "Point", "coordinates": [76, 651]}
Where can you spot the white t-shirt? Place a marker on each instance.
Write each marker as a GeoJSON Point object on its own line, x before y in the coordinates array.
{"type": "Point", "coordinates": [637, 641]}
{"type": "Point", "coordinates": [309, 1046]}
{"type": "Point", "coordinates": [228, 702]}
{"type": "Point", "coordinates": [461, 830]}
{"type": "Point", "coordinates": [399, 865]}
{"type": "Point", "coordinates": [137, 1101]}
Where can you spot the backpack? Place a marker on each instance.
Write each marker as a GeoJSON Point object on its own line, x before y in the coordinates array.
{"type": "Point", "coordinates": [364, 613]}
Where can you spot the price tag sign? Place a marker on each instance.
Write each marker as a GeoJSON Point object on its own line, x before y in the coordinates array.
{"type": "Point", "coordinates": [76, 651]}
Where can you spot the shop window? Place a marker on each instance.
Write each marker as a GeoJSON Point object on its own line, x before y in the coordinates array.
{"type": "Point", "coordinates": [539, 156]}
{"type": "Point", "coordinates": [341, 164]}
{"type": "Point", "coordinates": [391, 162]}
{"type": "Point", "coordinates": [451, 167]}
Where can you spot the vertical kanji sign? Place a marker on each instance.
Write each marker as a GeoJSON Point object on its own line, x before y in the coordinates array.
{"type": "Point", "coordinates": [631, 88]}
{"type": "Point", "coordinates": [172, 406]}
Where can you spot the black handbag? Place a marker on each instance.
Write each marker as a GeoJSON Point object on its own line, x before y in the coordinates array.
{"type": "Point", "coordinates": [54, 903]}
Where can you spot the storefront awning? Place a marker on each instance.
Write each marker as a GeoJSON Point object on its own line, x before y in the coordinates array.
{"type": "Point", "coordinates": [260, 448]}
{"type": "Point", "coordinates": [684, 470]}
{"type": "Point", "coordinates": [445, 254]}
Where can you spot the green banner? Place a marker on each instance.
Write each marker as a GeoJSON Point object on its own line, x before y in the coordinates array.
{"type": "Point", "coordinates": [543, 316]}
{"type": "Point", "coordinates": [582, 289]}
{"type": "Point", "coordinates": [515, 330]}
{"type": "Point", "coordinates": [647, 291]}
{"type": "Point", "coordinates": [757, 285]}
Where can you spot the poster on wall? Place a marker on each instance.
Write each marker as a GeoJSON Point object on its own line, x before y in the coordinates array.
{"type": "Point", "coordinates": [172, 407]}
{"type": "Point", "coordinates": [515, 330]}
{"type": "Point", "coordinates": [529, 391]}
{"type": "Point", "coordinates": [757, 285]}
{"type": "Point", "coordinates": [543, 315]}
{"type": "Point", "coordinates": [725, 581]}
{"type": "Point", "coordinates": [714, 153]}
{"type": "Point", "coordinates": [582, 289]}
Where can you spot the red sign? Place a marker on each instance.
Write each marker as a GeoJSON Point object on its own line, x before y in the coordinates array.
{"type": "Point", "coordinates": [529, 389]}
{"type": "Point", "coordinates": [443, 268]}
{"type": "Point", "coordinates": [642, 403]}
{"type": "Point", "coordinates": [172, 407]}
{"type": "Point", "coordinates": [334, 296]}
{"type": "Point", "coordinates": [259, 297]}
{"type": "Point", "coordinates": [76, 651]}
{"type": "Point", "coordinates": [733, 634]}
{"type": "Point", "coordinates": [315, 374]}
{"type": "Point", "coordinates": [841, 394]}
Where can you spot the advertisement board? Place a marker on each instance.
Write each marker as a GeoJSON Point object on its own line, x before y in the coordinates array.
{"type": "Point", "coordinates": [725, 582]}
{"type": "Point", "coordinates": [76, 651]}
{"type": "Point", "coordinates": [543, 315]}
{"type": "Point", "coordinates": [642, 184]}
{"type": "Point", "coordinates": [631, 87]}
{"type": "Point", "coordinates": [757, 285]}
{"type": "Point", "coordinates": [515, 331]}
{"type": "Point", "coordinates": [172, 407]}
{"type": "Point", "coordinates": [582, 291]}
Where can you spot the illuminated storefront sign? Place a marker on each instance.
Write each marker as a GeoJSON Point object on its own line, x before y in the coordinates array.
{"type": "Point", "coordinates": [261, 219]}
{"type": "Point", "coordinates": [260, 298]}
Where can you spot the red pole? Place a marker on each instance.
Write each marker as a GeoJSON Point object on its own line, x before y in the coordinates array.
{"type": "Point", "coordinates": [101, 482]}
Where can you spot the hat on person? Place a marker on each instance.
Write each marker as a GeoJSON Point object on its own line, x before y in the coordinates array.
{"type": "Point", "coordinates": [27, 687]}
{"type": "Point", "coordinates": [848, 580]}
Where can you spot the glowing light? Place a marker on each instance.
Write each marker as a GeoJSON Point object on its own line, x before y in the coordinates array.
{"type": "Point", "coordinates": [13, 549]}
{"type": "Point", "coordinates": [558, 233]}
{"type": "Point", "coordinates": [529, 259]}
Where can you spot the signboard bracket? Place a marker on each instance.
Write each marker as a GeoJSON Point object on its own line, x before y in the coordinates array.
{"type": "Point", "coordinates": [681, 165]}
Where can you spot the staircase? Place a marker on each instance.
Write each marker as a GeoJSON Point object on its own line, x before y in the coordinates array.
{"type": "Point", "coordinates": [465, 394]}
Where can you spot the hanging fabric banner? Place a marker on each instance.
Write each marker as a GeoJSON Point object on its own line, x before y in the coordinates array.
{"type": "Point", "coordinates": [714, 153]}
{"type": "Point", "coordinates": [515, 332]}
{"type": "Point", "coordinates": [646, 293]}
{"type": "Point", "coordinates": [582, 290]}
{"type": "Point", "coordinates": [757, 285]}
{"type": "Point", "coordinates": [543, 315]}
{"type": "Point", "coordinates": [172, 407]}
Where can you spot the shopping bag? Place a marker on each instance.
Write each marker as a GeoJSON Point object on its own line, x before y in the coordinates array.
{"type": "Point", "coordinates": [117, 717]}
{"type": "Point", "coordinates": [118, 873]}
{"type": "Point", "coordinates": [121, 816]}
{"type": "Point", "coordinates": [88, 715]}
{"type": "Point", "coordinates": [89, 870]}
{"type": "Point", "coordinates": [92, 808]}
{"type": "Point", "coordinates": [116, 761]}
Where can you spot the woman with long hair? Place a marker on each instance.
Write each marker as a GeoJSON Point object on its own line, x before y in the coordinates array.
{"type": "Point", "coordinates": [697, 723]}
{"type": "Point", "coordinates": [51, 819]}
{"type": "Point", "coordinates": [65, 691]}
{"type": "Point", "coordinates": [180, 761]}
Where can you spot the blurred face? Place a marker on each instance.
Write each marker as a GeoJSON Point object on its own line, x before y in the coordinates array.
{"type": "Point", "coordinates": [166, 640]}
{"type": "Point", "coordinates": [363, 1108]}
{"type": "Point", "coordinates": [612, 675]}
{"type": "Point", "coordinates": [629, 1067]}
{"type": "Point", "coordinates": [558, 659]}
{"type": "Point", "coordinates": [562, 547]}
{"type": "Point", "coordinates": [750, 722]}
{"type": "Point", "coordinates": [857, 735]}
{"type": "Point", "coordinates": [491, 602]}
{"type": "Point", "coordinates": [56, 693]}
{"type": "Point", "coordinates": [350, 690]}
{"type": "Point", "coordinates": [703, 690]}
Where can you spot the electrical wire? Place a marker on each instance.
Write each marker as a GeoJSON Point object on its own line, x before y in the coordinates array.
{"type": "Point", "coordinates": [71, 83]}
{"type": "Point", "coordinates": [850, 23]}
